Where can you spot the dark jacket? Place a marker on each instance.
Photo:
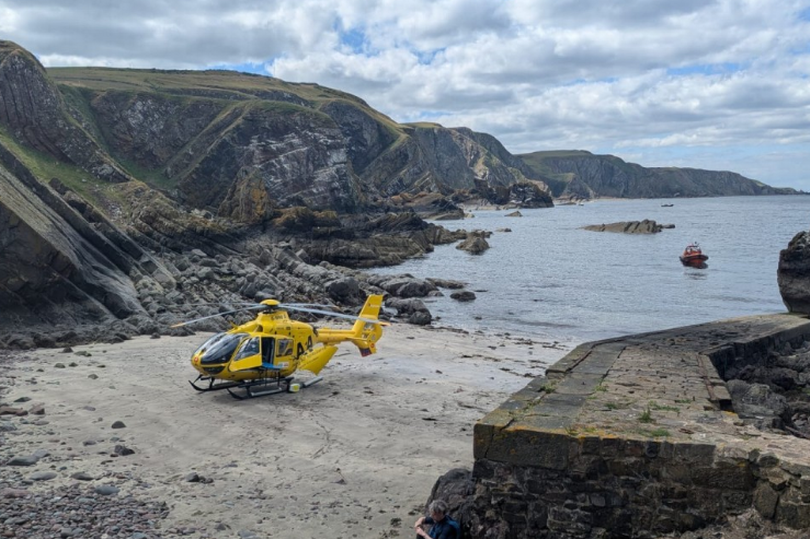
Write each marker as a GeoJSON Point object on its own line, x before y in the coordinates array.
{"type": "Point", "coordinates": [446, 528]}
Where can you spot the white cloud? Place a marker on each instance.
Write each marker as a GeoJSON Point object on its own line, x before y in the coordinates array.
{"type": "Point", "coordinates": [723, 81]}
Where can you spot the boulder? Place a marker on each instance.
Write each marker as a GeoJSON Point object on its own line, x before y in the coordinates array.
{"type": "Point", "coordinates": [473, 245]}
{"type": "Point", "coordinates": [463, 295]}
{"type": "Point", "coordinates": [647, 226]}
{"type": "Point", "coordinates": [793, 274]}
{"type": "Point", "coordinates": [413, 310]}
{"type": "Point", "coordinates": [758, 404]}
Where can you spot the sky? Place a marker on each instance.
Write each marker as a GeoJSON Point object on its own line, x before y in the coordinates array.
{"type": "Point", "coordinates": [712, 84]}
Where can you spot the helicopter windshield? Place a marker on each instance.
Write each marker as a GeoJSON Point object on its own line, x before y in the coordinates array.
{"type": "Point", "coordinates": [219, 348]}
{"type": "Point", "coordinates": [249, 348]}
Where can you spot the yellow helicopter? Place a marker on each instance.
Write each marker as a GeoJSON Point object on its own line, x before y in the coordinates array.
{"type": "Point", "coordinates": [260, 357]}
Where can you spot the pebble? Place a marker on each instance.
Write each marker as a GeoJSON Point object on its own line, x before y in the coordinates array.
{"type": "Point", "coordinates": [23, 461]}
{"type": "Point", "coordinates": [75, 511]}
{"type": "Point", "coordinates": [42, 476]}
{"type": "Point", "coordinates": [107, 490]}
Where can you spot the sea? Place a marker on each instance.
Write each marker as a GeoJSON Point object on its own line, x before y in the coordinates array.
{"type": "Point", "coordinates": [549, 279]}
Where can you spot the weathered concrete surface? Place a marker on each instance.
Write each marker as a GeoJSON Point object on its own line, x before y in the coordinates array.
{"type": "Point", "coordinates": [635, 437]}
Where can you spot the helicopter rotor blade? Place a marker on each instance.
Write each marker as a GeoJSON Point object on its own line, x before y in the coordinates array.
{"type": "Point", "coordinates": [293, 305]}
{"type": "Point", "coordinates": [187, 322]}
{"type": "Point", "coordinates": [332, 313]}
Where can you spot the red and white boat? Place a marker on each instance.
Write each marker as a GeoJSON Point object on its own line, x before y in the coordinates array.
{"type": "Point", "coordinates": [693, 256]}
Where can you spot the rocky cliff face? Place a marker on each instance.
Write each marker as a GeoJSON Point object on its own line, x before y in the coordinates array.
{"type": "Point", "coordinates": [242, 146]}
{"type": "Point", "coordinates": [33, 111]}
{"type": "Point", "coordinates": [579, 174]}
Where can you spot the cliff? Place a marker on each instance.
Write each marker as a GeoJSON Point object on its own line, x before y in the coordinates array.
{"type": "Point", "coordinates": [581, 174]}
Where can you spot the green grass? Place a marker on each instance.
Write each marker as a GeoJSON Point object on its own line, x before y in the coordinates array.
{"type": "Point", "coordinates": [44, 167]}
{"type": "Point", "coordinates": [646, 417]}
{"type": "Point", "coordinates": [655, 433]}
{"type": "Point", "coordinates": [656, 406]}
{"type": "Point", "coordinates": [153, 178]}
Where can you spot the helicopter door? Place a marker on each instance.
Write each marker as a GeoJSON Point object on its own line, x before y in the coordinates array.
{"type": "Point", "coordinates": [248, 356]}
{"type": "Point", "coordinates": [268, 349]}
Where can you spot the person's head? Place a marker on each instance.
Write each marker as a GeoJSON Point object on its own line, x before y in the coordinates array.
{"type": "Point", "coordinates": [437, 508]}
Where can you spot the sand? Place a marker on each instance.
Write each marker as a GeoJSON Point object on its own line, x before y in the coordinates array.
{"type": "Point", "coordinates": [354, 456]}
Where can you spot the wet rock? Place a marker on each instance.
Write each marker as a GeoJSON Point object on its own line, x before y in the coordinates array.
{"type": "Point", "coordinates": [464, 295]}
{"type": "Point", "coordinates": [647, 226]}
{"type": "Point", "coordinates": [421, 318]}
{"type": "Point", "coordinates": [412, 310]}
{"type": "Point", "coordinates": [474, 245]}
{"type": "Point", "coordinates": [446, 283]}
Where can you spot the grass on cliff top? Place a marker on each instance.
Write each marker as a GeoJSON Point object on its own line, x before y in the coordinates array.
{"type": "Point", "coordinates": [171, 81]}
{"type": "Point", "coordinates": [208, 84]}
{"type": "Point", "coordinates": [45, 167]}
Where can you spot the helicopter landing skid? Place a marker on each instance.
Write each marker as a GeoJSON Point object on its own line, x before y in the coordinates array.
{"type": "Point", "coordinates": [261, 388]}
{"type": "Point", "coordinates": [211, 385]}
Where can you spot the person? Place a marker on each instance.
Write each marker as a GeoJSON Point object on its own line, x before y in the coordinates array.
{"type": "Point", "coordinates": [441, 525]}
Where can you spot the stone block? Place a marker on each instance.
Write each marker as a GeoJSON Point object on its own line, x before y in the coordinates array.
{"type": "Point", "coordinates": [590, 445]}
{"type": "Point", "coordinates": [737, 501]}
{"type": "Point", "coordinates": [522, 447]}
{"type": "Point", "coordinates": [612, 446]}
{"type": "Point", "coordinates": [793, 515]}
{"type": "Point", "coordinates": [723, 476]}
{"type": "Point", "coordinates": [765, 500]}
{"type": "Point", "coordinates": [694, 454]}
{"type": "Point", "coordinates": [776, 477]}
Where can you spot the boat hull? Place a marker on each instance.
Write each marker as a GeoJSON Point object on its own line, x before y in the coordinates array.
{"type": "Point", "coordinates": [694, 260]}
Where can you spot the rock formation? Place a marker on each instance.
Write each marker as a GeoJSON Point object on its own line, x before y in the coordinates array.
{"type": "Point", "coordinates": [793, 274]}
{"type": "Point", "coordinates": [647, 226]}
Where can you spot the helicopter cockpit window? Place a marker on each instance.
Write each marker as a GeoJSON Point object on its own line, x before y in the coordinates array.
{"type": "Point", "coordinates": [284, 347]}
{"type": "Point", "coordinates": [249, 348]}
{"type": "Point", "coordinates": [219, 348]}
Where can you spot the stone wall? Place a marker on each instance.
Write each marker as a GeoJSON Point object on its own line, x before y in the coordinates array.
{"type": "Point", "coordinates": [632, 438]}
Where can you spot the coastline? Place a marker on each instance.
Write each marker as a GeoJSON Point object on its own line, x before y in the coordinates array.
{"type": "Point", "coordinates": [352, 456]}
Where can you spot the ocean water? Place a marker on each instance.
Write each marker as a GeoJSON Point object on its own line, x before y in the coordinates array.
{"type": "Point", "coordinates": [549, 279]}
